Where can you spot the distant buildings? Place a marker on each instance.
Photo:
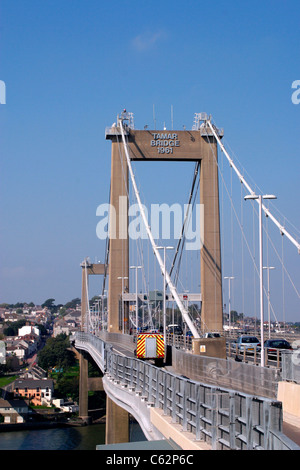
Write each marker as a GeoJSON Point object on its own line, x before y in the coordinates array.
{"type": "Point", "coordinates": [20, 349]}
{"type": "Point", "coordinates": [26, 342]}
{"type": "Point", "coordinates": [39, 392]}
{"type": "Point", "coordinates": [13, 411]}
{"type": "Point", "coordinates": [28, 330]}
{"type": "Point", "coordinates": [67, 324]}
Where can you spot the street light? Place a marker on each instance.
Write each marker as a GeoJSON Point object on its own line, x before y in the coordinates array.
{"type": "Point", "coordinates": [102, 310]}
{"type": "Point", "coordinates": [269, 316]}
{"type": "Point", "coordinates": [97, 303]}
{"type": "Point", "coordinates": [136, 294]}
{"type": "Point", "coordinates": [229, 300]}
{"type": "Point", "coordinates": [123, 320]}
{"type": "Point", "coordinates": [164, 299]}
{"type": "Point", "coordinates": [260, 198]}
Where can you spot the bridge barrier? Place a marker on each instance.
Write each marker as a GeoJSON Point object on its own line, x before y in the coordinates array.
{"type": "Point", "coordinates": [227, 373]}
{"type": "Point", "coordinates": [223, 418]}
{"type": "Point", "coordinates": [93, 345]}
{"type": "Point", "coordinates": [291, 365]}
{"type": "Point", "coordinates": [119, 338]}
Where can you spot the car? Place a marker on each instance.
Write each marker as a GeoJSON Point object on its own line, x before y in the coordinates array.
{"type": "Point", "coordinates": [248, 343]}
{"type": "Point", "coordinates": [212, 335]}
{"type": "Point", "coordinates": [274, 345]}
{"type": "Point", "coordinates": [176, 329]}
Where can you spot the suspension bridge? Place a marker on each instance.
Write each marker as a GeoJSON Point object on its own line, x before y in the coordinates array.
{"type": "Point", "coordinates": [177, 399]}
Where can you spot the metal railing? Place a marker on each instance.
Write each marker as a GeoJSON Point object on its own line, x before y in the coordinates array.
{"type": "Point", "coordinates": [223, 418]}
{"type": "Point", "coordinates": [291, 366]}
{"type": "Point", "coordinates": [272, 357]}
{"type": "Point", "coordinates": [227, 373]}
{"type": "Point", "coordinates": [180, 341]}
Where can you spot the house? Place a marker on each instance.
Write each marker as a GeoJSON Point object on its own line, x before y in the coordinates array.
{"type": "Point", "coordinates": [39, 392]}
{"type": "Point", "coordinates": [28, 330]}
{"type": "Point", "coordinates": [21, 347]}
{"type": "Point", "coordinates": [10, 317]}
{"type": "Point", "coordinates": [73, 315]}
{"type": "Point", "coordinates": [69, 406]}
{"type": "Point", "coordinates": [61, 327]}
{"type": "Point", "coordinates": [19, 350]}
{"type": "Point", "coordinates": [13, 411]}
{"type": "Point", "coordinates": [32, 343]}
{"type": "Point", "coordinates": [65, 326]}
{"type": "Point", "coordinates": [2, 352]}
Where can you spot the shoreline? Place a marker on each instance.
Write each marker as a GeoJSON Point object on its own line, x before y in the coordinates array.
{"type": "Point", "coordinates": [6, 427]}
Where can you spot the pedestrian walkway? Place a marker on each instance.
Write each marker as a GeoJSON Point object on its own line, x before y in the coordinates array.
{"type": "Point", "coordinates": [291, 427]}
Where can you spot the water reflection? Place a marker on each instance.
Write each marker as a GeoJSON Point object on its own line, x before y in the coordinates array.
{"type": "Point", "coordinates": [69, 438]}
{"type": "Point", "coordinates": [73, 438]}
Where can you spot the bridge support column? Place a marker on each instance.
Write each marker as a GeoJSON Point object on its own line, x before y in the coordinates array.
{"type": "Point", "coordinates": [83, 387]}
{"type": "Point", "coordinates": [117, 423]}
{"type": "Point", "coordinates": [118, 236]}
{"type": "Point", "coordinates": [211, 273]}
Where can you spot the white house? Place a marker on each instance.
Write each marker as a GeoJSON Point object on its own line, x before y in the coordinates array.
{"type": "Point", "coordinates": [28, 330]}
{"type": "Point", "coordinates": [70, 407]}
{"type": "Point", "coordinates": [13, 411]}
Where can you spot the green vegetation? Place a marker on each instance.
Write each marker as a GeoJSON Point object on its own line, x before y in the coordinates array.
{"type": "Point", "coordinates": [49, 304]}
{"type": "Point", "coordinates": [12, 327]}
{"type": "Point", "coordinates": [56, 354]}
{"type": "Point", "coordinates": [62, 366]}
{"type": "Point", "coordinates": [17, 305]}
{"type": "Point", "coordinates": [6, 380]}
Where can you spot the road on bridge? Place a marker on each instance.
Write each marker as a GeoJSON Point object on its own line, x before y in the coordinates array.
{"type": "Point", "coordinates": [290, 430]}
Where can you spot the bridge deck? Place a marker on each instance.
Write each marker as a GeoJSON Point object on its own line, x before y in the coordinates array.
{"type": "Point", "coordinates": [215, 417]}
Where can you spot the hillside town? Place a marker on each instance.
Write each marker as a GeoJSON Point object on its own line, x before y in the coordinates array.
{"type": "Point", "coordinates": [24, 329]}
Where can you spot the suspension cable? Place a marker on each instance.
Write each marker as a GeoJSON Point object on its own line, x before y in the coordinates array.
{"type": "Point", "coordinates": [165, 273]}
{"type": "Point", "coordinates": [196, 171]}
{"type": "Point", "coordinates": [229, 194]}
{"type": "Point", "coordinates": [242, 179]}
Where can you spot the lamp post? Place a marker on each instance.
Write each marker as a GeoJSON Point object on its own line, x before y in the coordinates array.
{"type": "Point", "coordinates": [136, 294]}
{"type": "Point", "coordinates": [122, 301]}
{"type": "Point", "coordinates": [101, 313]}
{"type": "Point", "coordinates": [260, 198]}
{"type": "Point", "coordinates": [102, 320]}
{"type": "Point", "coordinates": [98, 315]}
{"type": "Point", "coordinates": [164, 294]}
{"type": "Point", "coordinates": [230, 278]}
{"type": "Point", "coordinates": [269, 316]}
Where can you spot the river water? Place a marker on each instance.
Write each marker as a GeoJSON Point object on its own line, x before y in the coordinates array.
{"type": "Point", "coordinates": [69, 438]}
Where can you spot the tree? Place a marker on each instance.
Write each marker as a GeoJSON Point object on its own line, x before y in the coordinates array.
{"type": "Point", "coordinates": [73, 303]}
{"type": "Point", "coordinates": [235, 316]}
{"type": "Point", "coordinates": [62, 311]}
{"type": "Point", "coordinates": [56, 353]}
{"type": "Point", "coordinates": [67, 387]}
{"type": "Point", "coordinates": [12, 328]}
{"type": "Point", "coordinates": [50, 305]}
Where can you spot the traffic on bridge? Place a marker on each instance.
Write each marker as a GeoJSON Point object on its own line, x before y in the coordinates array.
{"type": "Point", "coordinates": [171, 357]}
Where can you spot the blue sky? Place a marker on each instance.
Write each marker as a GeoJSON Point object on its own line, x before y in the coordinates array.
{"type": "Point", "coordinates": [71, 66]}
